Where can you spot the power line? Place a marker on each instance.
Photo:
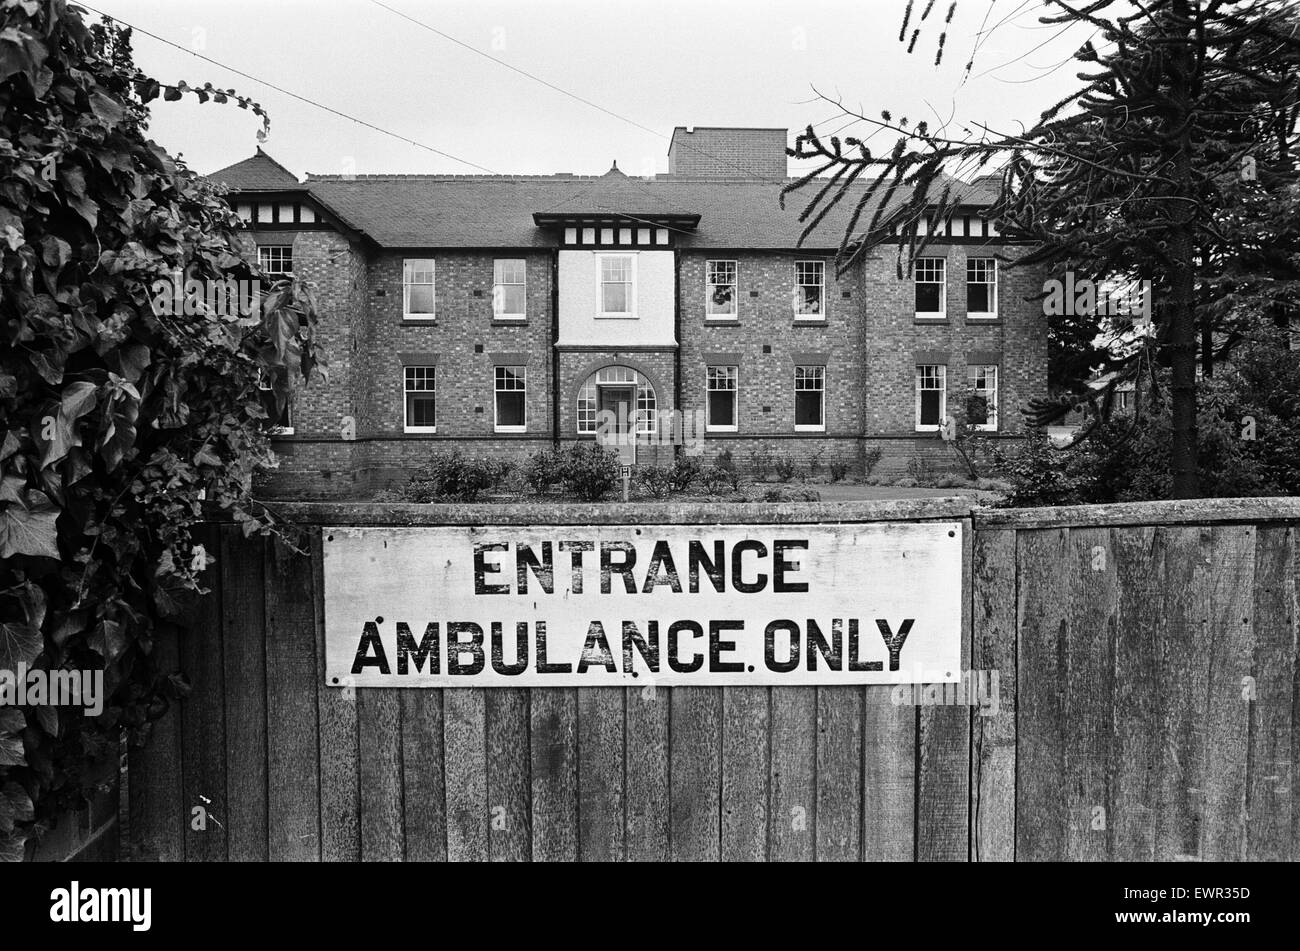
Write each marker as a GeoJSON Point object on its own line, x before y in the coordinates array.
{"type": "Point", "coordinates": [294, 95]}
{"type": "Point", "coordinates": [749, 172]}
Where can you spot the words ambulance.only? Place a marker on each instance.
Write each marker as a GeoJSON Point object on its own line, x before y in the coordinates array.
{"type": "Point", "coordinates": [664, 605]}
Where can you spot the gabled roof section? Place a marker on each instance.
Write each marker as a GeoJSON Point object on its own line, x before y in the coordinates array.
{"type": "Point", "coordinates": [258, 173]}
{"type": "Point", "coordinates": [483, 211]}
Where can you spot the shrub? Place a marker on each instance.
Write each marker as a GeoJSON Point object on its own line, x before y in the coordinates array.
{"type": "Point", "coordinates": [784, 467]}
{"type": "Point", "coordinates": [906, 483]}
{"type": "Point", "coordinates": [542, 471]}
{"type": "Point", "coordinates": [655, 480]}
{"type": "Point", "coordinates": [950, 481]}
{"type": "Point", "coordinates": [780, 494]}
{"type": "Point", "coordinates": [839, 469]}
{"type": "Point", "coordinates": [815, 462]}
{"type": "Point", "coordinates": [588, 472]}
{"type": "Point", "coordinates": [450, 477]}
{"type": "Point", "coordinates": [920, 468]}
{"type": "Point", "coordinates": [389, 495]}
{"type": "Point", "coordinates": [683, 474]}
{"type": "Point", "coordinates": [871, 459]}
{"type": "Point", "coordinates": [760, 463]}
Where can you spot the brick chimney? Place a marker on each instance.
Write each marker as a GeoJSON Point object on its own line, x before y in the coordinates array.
{"type": "Point", "coordinates": [744, 154]}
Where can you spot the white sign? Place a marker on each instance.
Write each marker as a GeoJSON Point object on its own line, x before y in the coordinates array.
{"type": "Point", "coordinates": [876, 603]}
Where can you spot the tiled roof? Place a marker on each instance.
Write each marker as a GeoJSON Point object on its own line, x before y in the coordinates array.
{"type": "Point", "coordinates": [258, 173]}
{"type": "Point", "coordinates": [497, 211]}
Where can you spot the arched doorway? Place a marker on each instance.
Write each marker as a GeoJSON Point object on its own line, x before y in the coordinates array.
{"type": "Point", "coordinates": [623, 391]}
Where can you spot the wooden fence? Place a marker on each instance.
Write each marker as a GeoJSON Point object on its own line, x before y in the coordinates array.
{"type": "Point", "coordinates": [1148, 708]}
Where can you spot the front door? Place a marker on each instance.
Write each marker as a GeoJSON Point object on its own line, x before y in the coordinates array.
{"type": "Point", "coordinates": [621, 401]}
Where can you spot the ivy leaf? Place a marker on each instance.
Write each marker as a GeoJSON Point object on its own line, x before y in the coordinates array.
{"type": "Point", "coordinates": [13, 848]}
{"type": "Point", "coordinates": [29, 529]}
{"type": "Point", "coordinates": [106, 109]}
{"type": "Point", "coordinates": [79, 398]}
{"type": "Point", "coordinates": [15, 806]}
{"type": "Point", "coordinates": [19, 644]}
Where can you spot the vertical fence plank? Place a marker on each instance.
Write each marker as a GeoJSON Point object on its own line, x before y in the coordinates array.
{"type": "Point", "coordinates": [158, 808]}
{"type": "Point", "coordinates": [1180, 620]}
{"type": "Point", "coordinates": [243, 581]}
{"type": "Point", "coordinates": [336, 710]}
{"type": "Point", "coordinates": [293, 778]}
{"type": "Point", "coordinates": [993, 729]}
{"type": "Point", "coordinates": [203, 716]}
{"type": "Point", "coordinates": [1140, 685]}
{"type": "Point", "coordinates": [554, 742]}
{"type": "Point", "coordinates": [745, 770]}
{"type": "Point", "coordinates": [464, 733]}
{"type": "Point", "coordinates": [379, 760]}
{"type": "Point", "coordinates": [647, 713]}
{"type": "Point", "coordinates": [888, 776]}
{"type": "Point", "coordinates": [1088, 686]}
{"type": "Point", "coordinates": [943, 741]}
{"type": "Point", "coordinates": [792, 822]}
{"type": "Point", "coordinates": [1043, 572]}
{"type": "Point", "coordinates": [423, 792]}
{"type": "Point", "coordinates": [839, 774]}
{"type": "Point", "coordinates": [1270, 806]}
{"type": "Point", "coordinates": [696, 773]}
{"type": "Point", "coordinates": [601, 752]}
{"type": "Point", "coordinates": [1225, 652]}
{"type": "Point", "coordinates": [508, 766]}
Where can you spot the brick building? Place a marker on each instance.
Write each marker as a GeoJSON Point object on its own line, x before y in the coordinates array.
{"type": "Point", "coordinates": [503, 314]}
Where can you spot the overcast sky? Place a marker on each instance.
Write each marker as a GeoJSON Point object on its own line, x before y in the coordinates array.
{"type": "Point", "coordinates": [658, 64]}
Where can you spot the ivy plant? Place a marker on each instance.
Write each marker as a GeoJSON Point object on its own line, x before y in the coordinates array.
{"type": "Point", "coordinates": [121, 421]}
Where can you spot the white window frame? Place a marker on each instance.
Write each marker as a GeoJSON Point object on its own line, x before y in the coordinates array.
{"type": "Point", "coordinates": [709, 389]}
{"type": "Point", "coordinates": [710, 284]}
{"type": "Point", "coordinates": [993, 289]}
{"type": "Point", "coordinates": [799, 296]}
{"type": "Point", "coordinates": [407, 284]}
{"type": "Point", "coordinates": [499, 296]}
{"type": "Point", "coordinates": [943, 397]}
{"type": "Point", "coordinates": [406, 420]}
{"type": "Point", "coordinates": [522, 373]}
{"type": "Point", "coordinates": [806, 427]}
{"type": "Point", "coordinates": [265, 252]}
{"type": "Point", "coordinates": [630, 313]}
{"type": "Point", "coordinates": [942, 312]}
{"type": "Point", "coordinates": [992, 401]}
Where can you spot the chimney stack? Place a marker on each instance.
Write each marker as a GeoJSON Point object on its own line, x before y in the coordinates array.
{"type": "Point", "coordinates": [722, 153]}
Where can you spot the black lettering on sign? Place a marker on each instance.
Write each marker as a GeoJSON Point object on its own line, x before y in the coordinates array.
{"type": "Point", "coordinates": [370, 640]}
{"type": "Point", "coordinates": [780, 566]}
{"type": "Point", "coordinates": [575, 560]}
{"type": "Point", "coordinates": [662, 561]}
{"type": "Point", "coordinates": [623, 567]}
{"type": "Point", "coordinates": [769, 646]}
{"type": "Point", "coordinates": [854, 644]}
{"type": "Point", "coordinates": [543, 665]}
{"type": "Point", "coordinates": [674, 659]}
{"type": "Point", "coordinates": [482, 569]}
{"type": "Point", "coordinates": [521, 649]}
{"type": "Point", "coordinates": [737, 560]}
{"type": "Point", "coordinates": [894, 641]}
{"type": "Point", "coordinates": [427, 648]}
{"type": "Point", "coordinates": [648, 647]}
{"type": "Point", "coordinates": [715, 568]}
{"type": "Point", "coordinates": [718, 647]}
{"type": "Point", "coordinates": [544, 570]}
{"type": "Point", "coordinates": [595, 650]}
{"type": "Point", "coordinates": [832, 653]}
{"type": "Point", "coordinates": [456, 648]}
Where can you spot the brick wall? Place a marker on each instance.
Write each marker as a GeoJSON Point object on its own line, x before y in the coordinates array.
{"type": "Point", "coordinates": [728, 153]}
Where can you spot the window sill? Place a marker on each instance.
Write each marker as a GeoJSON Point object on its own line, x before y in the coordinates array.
{"type": "Point", "coordinates": [616, 316]}
{"type": "Point", "coordinates": [721, 429]}
{"type": "Point", "coordinates": [990, 321]}
{"type": "Point", "coordinates": [722, 319]}
{"type": "Point", "coordinates": [509, 430]}
{"type": "Point", "coordinates": [419, 430]}
{"type": "Point", "coordinates": [809, 322]}
{"type": "Point", "coordinates": [509, 321]}
{"type": "Point", "coordinates": [424, 321]}
{"type": "Point", "coordinates": [809, 429]}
